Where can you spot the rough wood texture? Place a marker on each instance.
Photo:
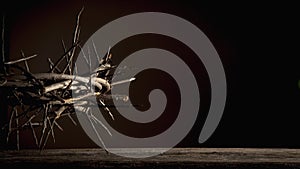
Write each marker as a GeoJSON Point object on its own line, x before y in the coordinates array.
{"type": "Point", "coordinates": [175, 158]}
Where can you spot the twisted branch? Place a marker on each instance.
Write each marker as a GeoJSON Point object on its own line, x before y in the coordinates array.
{"type": "Point", "coordinates": [39, 100]}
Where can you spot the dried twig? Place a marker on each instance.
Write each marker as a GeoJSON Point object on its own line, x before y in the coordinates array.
{"type": "Point", "coordinates": [34, 134]}
{"type": "Point", "coordinates": [20, 60]}
{"type": "Point", "coordinates": [95, 130]}
{"type": "Point", "coordinates": [25, 61]}
{"type": "Point", "coordinates": [95, 50]}
{"type": "Point", "coordinates": [18, 131]}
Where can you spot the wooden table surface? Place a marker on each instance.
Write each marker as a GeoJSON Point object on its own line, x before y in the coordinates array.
{"type": "Point", "coordinates": [174, 158]}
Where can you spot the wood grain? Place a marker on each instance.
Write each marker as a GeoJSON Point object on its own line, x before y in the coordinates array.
{"type": "Point", "coordinates": [174, 158]}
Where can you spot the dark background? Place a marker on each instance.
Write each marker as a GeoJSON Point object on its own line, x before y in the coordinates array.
{"type": "Point", "coordinates": [257, 44]}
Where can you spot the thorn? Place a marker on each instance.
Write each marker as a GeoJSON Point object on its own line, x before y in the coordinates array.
{"type": "Point", "coordinates": [25, 61]}
{"type": "Point", "coordinates": [108, 52]}
{"type": "Point", "coordinates": [44, 125]}
{"type": "Point", "coordinates": [58, 126]}
{"type": "Point", "coordinates": [123, 81]}
{"type": "Point", "coordinates": [98, 121]}
{"type": "Point", "coordinates": [71, 118]}
{"type": "Point", "coordinates": [51, 129]}
{"type": "Point", "coordinates": [10, 123]}
{"type": "Point", "coordinates": [98, 136]}
{"type": "Point", "coordinates": [34, 134]}
{"type": "Point", "coordinates": [95, 50]}
{"type": "Point", "coordinates": [104, 106]}
{"type": "Point", "coordinates": [18, 131]}
{"type": "Point", "coordinates": [20, 60]}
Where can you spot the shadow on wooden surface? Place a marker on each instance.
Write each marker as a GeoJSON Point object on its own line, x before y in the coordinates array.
{"type": "Point", "coordinates": [175, 158]}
